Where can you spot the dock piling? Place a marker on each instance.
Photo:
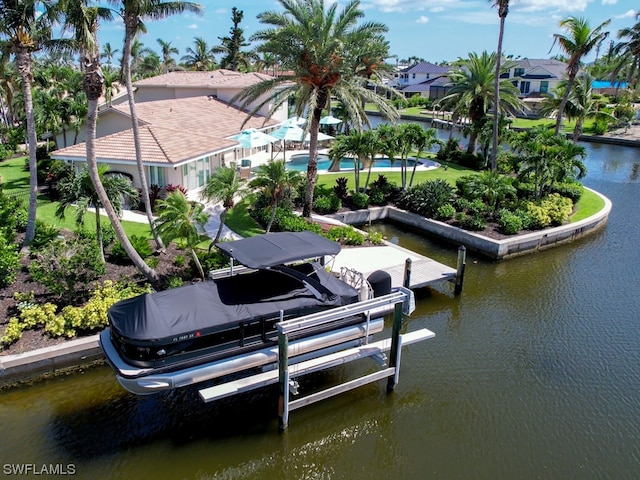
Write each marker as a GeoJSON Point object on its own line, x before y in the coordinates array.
{"type": "Point", "coordinates": [462, 259]}
{"type": "Point", "coordinates": [407, 273]}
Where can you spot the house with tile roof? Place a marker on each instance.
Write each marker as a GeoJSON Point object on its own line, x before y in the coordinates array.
{"type": "Point", "coordinates": [186, 126]}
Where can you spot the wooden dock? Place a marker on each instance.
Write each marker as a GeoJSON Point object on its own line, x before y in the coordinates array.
{"type": "Point", "coordinates": [392, 259]}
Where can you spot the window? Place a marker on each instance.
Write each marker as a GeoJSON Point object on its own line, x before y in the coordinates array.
{"type": "Point", "coordinates": [156, 176]}
{"type": "Point", "coordinates": [518, 72]}
{"type": "Point", "coordinates": [524, 87]}
{"type": "Point", "coordinates": [505, 74]}
{"type": "Point", "coordinates": [413, 75]}
{"type": "Point", "coordinates": [544, 86]}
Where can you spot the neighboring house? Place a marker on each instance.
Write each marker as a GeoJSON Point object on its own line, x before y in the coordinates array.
{"type": "Point", "coordinates": [185, 126]}
{"type": "Point", "coordinates": [425, 79]}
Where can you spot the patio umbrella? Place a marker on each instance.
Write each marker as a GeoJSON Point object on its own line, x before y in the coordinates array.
{"type": "Point", "coordinates": [288, 132]}
{"type": "Point", "coordinates": [321, 137]}
{"type": "Point", "coordinates": [251, 138]}
{"type": "Point", "coordinates": [295, 121]}
{"type": "Point", "coordinates": [329, 120]}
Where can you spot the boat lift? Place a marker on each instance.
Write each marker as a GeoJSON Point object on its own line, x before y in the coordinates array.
{"type": "Point", "coordinates": [292, 364]}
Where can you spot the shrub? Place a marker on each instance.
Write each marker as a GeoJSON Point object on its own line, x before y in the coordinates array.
{"type": "Point", "coordinates": [534, 217]}
{"type": "Point", "coordinates": [375, 238]}
{"type": "Point", "coordinates": [5, 152]}
{"type": "Point", "coordinates": [210, 260]}
{"type": "Point", "coordinates": [377, 196]}
{"type": "Point", "coordinates": [340, 188]}
{"type": "Point", "coordinates": [427, 197]}
{"type": "Point", "coordinates": [571, 190]}
{"type": "Point", "coordinates": [445, 212]}
{"type": "Point", "coordinates": [179, 261]}
{"type": "Point", "coordinates": [474, 223]}
{"type": "Point", "coordinates": [509, 222]}
{"type": "Point", "coordinates": [153, 262]}
{"type": "Point", "coordinates": [140, 244]}
{"type": "Point", "coordinates": [9, 262]}
{"type": "Point", "coordinates": [45, 234]}
{"type": "Point", "coordinates": [346, 235]}
{"type": "Point", "coordinates": [327, 204]}
{"type": "Point", "coordinates": [557, 207]}
{"type": "Point", "coordinates": [66, 268]}
{"type": "Point", "coordinates": [174, 282]}
{"type": "Point", "coordinates": [12, 333]}
{"type": "Point", "coordinates": [108, 234]}
{"type": "Point", "coordinates": [360, 200]}
{"type": "Point", "coordinates": [294, 223]}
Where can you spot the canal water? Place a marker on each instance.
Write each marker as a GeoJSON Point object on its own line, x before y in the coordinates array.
{"type": "Point", "coordinates": [534, 372]}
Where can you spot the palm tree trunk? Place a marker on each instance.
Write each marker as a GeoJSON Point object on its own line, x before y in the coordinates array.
{"type": "Point", "coordinates": [99, 234]}
{"type": "Point", "coordinates": [496, 99]}
{"type": "Point", "coordinates": [273, 214]}
{"type": "Point", "coordinates": [93, 84]}
{"type": "Point", "coordinates": [563, 103]}
{"type": "Point", "coordinates": [126, 60]}
{"type": "Point", "coordinates": [196, 260]}
{"type": "Point", "coordinates": [223, 217]}
{"type": "Point", "coordinates": [312, 166]}
{"type": "Point", "coordinates": [23, 63]}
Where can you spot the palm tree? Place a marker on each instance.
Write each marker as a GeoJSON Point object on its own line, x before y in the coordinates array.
{"type": "Point", "coordinates": [275, 181]}
{"type": "Point", "coordinates": [199, 58]}
{"type": "Point", "coordinates": [231, 47]}
{"type": "Point", "coordinates": [584, 103]}
{"type": "Point", "coordinates": [423, 140]}
{"type": "Point", "coordinates": [108, 52]}
{"type": "Point", "coordinates": [628, 52]}
{"type": "Point", "coordinates": [133, 13]}
{"type": "Point", "coordinates": [83, 21]}
{"type": "Point", "coordinates": [27, 30]}
{"type": "Point", "coordinates": [78, 189]}
{"type": "Point", "coordinates": [168, 63]}
{"type": "Point", "coordinates": [472, 92]}
{"type": "Point", "coordinates": [224, 186]}
{"type": "Point", "coordinates": [579, 42]}
{"type": "Point", "coordinates": [320, 47]}
{"type": "Point", "coordinates": [362, 146]}
{"type": "Point", "coordinates": [180, 218]}
{"type": "Point", "coordinates": [503, 11]}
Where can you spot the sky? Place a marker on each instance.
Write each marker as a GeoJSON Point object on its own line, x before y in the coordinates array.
{"type": "Point", "coordinates": [435, 30]}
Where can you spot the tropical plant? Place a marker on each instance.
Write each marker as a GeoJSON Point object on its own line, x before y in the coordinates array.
{"type": "Point", "coordinates": [503, 11]}
{"type": "Point", "coordinates": [627, 51]}
{"type": "Point", "coordinates": [421, 140]}
{"type": "Point", "coordinates": [168, 62]}
{"type": "Point", "coordinates": [225, 186]}
{"type": "Point", "coordinates": [361, 146]}
{"type": "Point", "coordinates": [491, 187]}
{"type": "Point", "coordinates": [78, 189]}
{"type": "Point", "coordinates": [231, 47]}
{"type": "Point", "coordinates": [472, 92]}
{"type": "Point", "coordinates": [323, 50]}
{"type": "Point", "coordinates": [580, 40]}
{"type": "Point", "coordinates": [83, 22]}
{"type": "Point", "coordinates": [180, 218]}
{"type": "Point", "coordinates": [133, 13]}
{"type": "Point", "coordinates": [108, 52]}
{"type": "Point", "coordinates": [201, 57]}
{"type": "Point", "coordinates": [276, 181]}
{"type": "Point", "coordinates": [26, 27]}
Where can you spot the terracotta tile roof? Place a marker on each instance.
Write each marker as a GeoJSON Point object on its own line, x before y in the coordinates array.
{"type": "Point", "coordinates": [159, 145]}
{"type": "Point", "coordinates": [213, 79]}
{"type": "Point", "coordinates": [203, 115]}
{"type": "Point", "coordinates": [171, 131]}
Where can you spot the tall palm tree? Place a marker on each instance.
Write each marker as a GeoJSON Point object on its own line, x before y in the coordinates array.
{"type": "Point", "coordinates": [584, 103]}
{"type": "Point", "coordinates": [84, 21]}
{"type": "Point", "coordinates": [168, 62]}
{"type": "Point", "coordinates": [108, 52]}
{"type": "Point", "coordinates": [78, 189]}
{"type": "Point", "coordinates": [580, 40]}
{"type": "Point", "coordinates": [628, 52]}
{"type": "Point", "coordinates": [200, 58]}
{"type": "Point", "coordinates": [423, 140]}
{"type": "Point", "coordinates": [472, 92]}
{"type": "Point", "coordinates": [503, 11]}
{"type": "Point", "coordinates": [133, 13]}
{"type": "Point", "coordinates": [27, 29]}
{"type": "Point", "coordinates": [180, 218]}
{"type": "Point", "coordinates": [318, 45]}
{"type": "Point", "coordinates": [224, 186]}
{"type": "Point", "coordinates": [275, 180]}
{"type": "Point", "coordinates": [362, 146]}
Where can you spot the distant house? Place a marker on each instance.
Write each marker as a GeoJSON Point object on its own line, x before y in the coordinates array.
{"type": "Point", "coordinates": [186, 123]}
{"type": "Point", "coordinates": [536, 76]}
{"type": "Point", "coordinates": [425, 79]}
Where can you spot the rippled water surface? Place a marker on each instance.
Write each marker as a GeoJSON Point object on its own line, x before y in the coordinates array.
{"type": "Point", "coordinates": [534, 373]}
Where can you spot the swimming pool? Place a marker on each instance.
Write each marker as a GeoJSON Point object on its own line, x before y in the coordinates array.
{"type": "Point", "coordinates": [299, 162]}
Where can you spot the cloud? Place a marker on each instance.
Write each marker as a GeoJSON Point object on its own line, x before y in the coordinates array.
{"type": "Point", "coordinates": [627, 14]}
{"type": "Point", "coordinates": [609, 2]}
{"type": "Point", "coordinates": [422, 19]}
{"type": "Point", "coordinates": [401, 6]}
{"type": "Point", "coordinates": [193, 26]}
{"type": "Point", "coordinates": [551, 5]}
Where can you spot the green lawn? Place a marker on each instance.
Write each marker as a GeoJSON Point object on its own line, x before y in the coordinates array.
{"type": "Point", "coordinates": [13, 175]}
{"type": "Point", "coordinates": [588, 204]}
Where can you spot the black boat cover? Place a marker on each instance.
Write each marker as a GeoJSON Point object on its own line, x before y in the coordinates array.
{"type": "Point", "coordinates": [264, 251]}
{"type": "Point", "coordinates": [226, 302]}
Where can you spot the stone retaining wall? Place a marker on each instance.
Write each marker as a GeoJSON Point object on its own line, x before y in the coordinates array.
{"type": "Point", "coordinates": [496, 249]}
